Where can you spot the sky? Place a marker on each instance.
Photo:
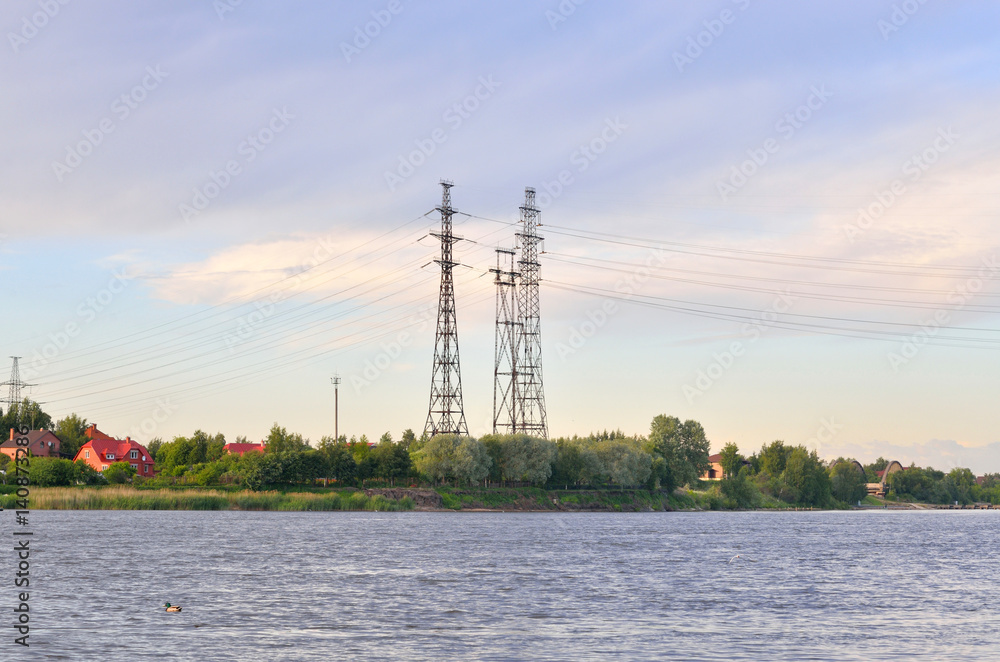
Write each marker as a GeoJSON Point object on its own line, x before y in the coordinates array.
{"type": "Point", "coordinates": [777, 219]}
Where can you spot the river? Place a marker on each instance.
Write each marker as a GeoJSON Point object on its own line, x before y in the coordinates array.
{"type": "Point", "coordinates": [262, 586]}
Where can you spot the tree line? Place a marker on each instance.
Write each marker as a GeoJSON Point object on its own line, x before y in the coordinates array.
{"type": "Point", "coordinates": [674, 454]}
{"type": "Point", "coordinates": [797, 476]}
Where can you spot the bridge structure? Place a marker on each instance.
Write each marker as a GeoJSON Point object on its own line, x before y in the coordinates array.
{"type": "Point", "coordinates": [879, 488]}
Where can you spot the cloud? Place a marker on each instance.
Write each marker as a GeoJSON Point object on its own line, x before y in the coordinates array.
{"type": "Point", "coordinates": [941, 454]}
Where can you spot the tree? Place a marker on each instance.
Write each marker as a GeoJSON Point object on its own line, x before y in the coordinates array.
{"type": "Point", "coordinates": [153, 446]}
{"type": "Point", "coordinates": [847, 483]}
{"type": "Point", "coordinates": [807, 479]}
{"type": "Point", "coordinates": [391, 460]}
{"type": "Point", "coordinates": [86, 474]}
{"type": "Point", "coordinates": [731, 460]}
{"type": "Point", "coordinates": [258, 469]}
{"type": "Point", "coordinates": [493, 443]}
{"type": "Point", "coordinates": [119, 472]}
{"type": "Point", "coordinates": [52, 472]}
{"type": "Point", "coordinates": [739, 490]}
{"type": "Point", "coordinates": [471, 461]}
{"type": "Point", "coordinates": [407, 439]}
{"type": "Point", "coordinates": [683, 447]}
{"type": "Point", "coordinates": [27, 412]}
{"type": "Point", "coordinates": [310, 466]}
{"type": "Point", "coordinates": [449, 456]}
{"type": "Point", "coordinates": [959, 484]}
{"type": "Point", "coordinates": [436, 458]}
{"type": "Point", "coordinates": [340, 464]}
{"type": "Point", "coordinates": [773, 458]}
{"type": "Point", "coordinates": [539, 456]}
{"type": "Point", "coordinates": [624, 461]}
{"type": "Point", "coordinates": [72, 433]}
{"type": "Point", "coordinates": [569, 463]}
{"type": "Point", "coordinates": [363, 457]}
{"type": "Point", "coordinates": [279, 440]}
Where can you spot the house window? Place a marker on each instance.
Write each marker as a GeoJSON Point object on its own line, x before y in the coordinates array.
{"type": "Point", "coordinates": [135, 466]}
{"type": "Point", "coordinates": [111, 456]}
{"type": "Point", "coordinates": [134, 454]}
{"type": "Point", "coordinates": [105, 467]}
{"type": "Point", "coordinates": [86, 454]}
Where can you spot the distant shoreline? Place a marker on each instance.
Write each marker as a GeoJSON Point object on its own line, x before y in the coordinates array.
{"type": "Point", "coordinates": [526, 500]}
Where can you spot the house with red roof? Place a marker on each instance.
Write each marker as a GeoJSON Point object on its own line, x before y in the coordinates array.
{"type": "Point", "coordinates": [239, 448]}
{"type": "Point", "coordinates": [41, 443]}
{"type": "Point", "coordinates": [101, 451]}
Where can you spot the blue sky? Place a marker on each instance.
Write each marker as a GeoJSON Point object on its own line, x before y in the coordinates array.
{"type": "Point", "coordinates": [205, 214]}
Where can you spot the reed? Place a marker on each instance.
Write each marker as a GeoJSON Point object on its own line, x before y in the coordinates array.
{"type": "Point", "coordinates": [128, 498]}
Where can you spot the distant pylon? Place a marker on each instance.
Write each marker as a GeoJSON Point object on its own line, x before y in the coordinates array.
{"type": "Point", "coordinates": [530, 394]}
{"type": "Point", "coordinates": [445, 414]}
{"type": "Point", "coordinates": [505, 409]}
{"type": "Point", "coordinates": [15, 385]}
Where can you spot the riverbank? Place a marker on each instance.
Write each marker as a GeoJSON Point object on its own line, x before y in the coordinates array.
{"type": "Point", "coordinates": [130, 498]}
{"type": "Point", "coordinates": [443, 499]}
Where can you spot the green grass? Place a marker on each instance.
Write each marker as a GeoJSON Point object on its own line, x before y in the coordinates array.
{"type": "Point", "coordinates": [535, 498]}
{"type": "Point", "coordinates": [129, 498]}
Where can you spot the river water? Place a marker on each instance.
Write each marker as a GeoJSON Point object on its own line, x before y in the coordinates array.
{"type": "Point", "coordinates": [508, 586]}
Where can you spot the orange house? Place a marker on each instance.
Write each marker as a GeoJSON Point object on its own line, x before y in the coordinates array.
{"type": "Point", "coordinates": [41, 443]}
{"type": "Point", "coordinates": [101, 451]}
{"type": "Point", "coordinates": [715, 469]}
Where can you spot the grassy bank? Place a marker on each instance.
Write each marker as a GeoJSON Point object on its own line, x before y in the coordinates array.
{"type": "Point", "coordinates": [129, 498]}
{"type": "Point", "coordinates": [534, 498]}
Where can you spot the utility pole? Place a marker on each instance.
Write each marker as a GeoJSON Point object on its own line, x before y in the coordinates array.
{"type": "Point", "coordinates": [445, 413]}
{"type": "Point", "coordinates": [505, 408]}
{"type": "Point", "coordinates": [335, 380]}
{"type": "Point", "coordinates": [530, 394]}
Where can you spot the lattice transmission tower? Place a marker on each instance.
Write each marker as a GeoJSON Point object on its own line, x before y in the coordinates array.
{"type": "Point", "coordinates": [445, 413]}
{"type": "Point", "coordinates": [530, 396]}
{"type": "Point", "coordinates": [13, 399]}
{"type": "Point", "coordinates": [505, 409]}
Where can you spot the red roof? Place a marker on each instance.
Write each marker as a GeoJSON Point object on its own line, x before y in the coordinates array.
{"type": "Point", "coordinates": [239, 448]}
{"type": "Point", "coordinates": [93, 433]}
{"type": "Point", "coordinates": [715, 458]}
{"type": "Point", "coordinates": [113, 450]}
{"type": "Point", "coordinates": [40, 443]}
